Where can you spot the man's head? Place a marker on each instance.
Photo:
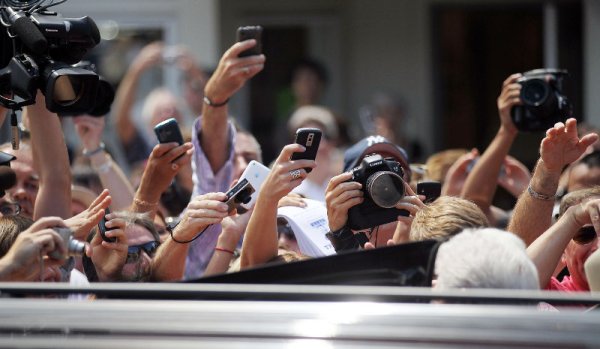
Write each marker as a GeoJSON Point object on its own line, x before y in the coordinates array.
{"type": "Point", "coordinates": [446, 217]}
{"type": "Point", "coordinates": [25, 191]}
{"type": "Point", "coordinates": [585, 173]}
{"type": "Point", "coordinates": [577, 252]}
{"type": "Point", "coordinates": [161, 105]}
{"type": "Point", "coordinates": [485, 258]}
{"type": "Point", "coordinates": [143, 240]}
{"type": "Point", "coordinates": [246, 149]}
{"type": "Point", "coordinates": [376, 145]}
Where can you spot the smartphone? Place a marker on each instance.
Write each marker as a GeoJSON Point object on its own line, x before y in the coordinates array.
{"type": "Point", "coordinates": [255, 173]}
{"type": "Point", "coordinates": [247, 33]}
{"type": "Point", "coordinates": [168, 131]}
{"type": "Point", "coordinates": [310, 138]}
{"type": "Point", "coordinates": [102, 228]}
{"type": "Point", "coordinates": [431, 190]}
{"type": "Point", "coordinates": [239, 194]}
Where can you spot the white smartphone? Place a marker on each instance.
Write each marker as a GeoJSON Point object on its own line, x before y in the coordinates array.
{"type": "Point", "coordinates": [255, 173]}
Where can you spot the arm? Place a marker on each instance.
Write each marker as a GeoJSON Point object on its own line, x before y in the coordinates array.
{"type": "Point", "coordinates": [169, 262]}
{"type": "Point", "coordinates": [163, 164]}
{"type": "Point", "coordinates": [231, 233]}
{"type": "Point", "coordinates": [231, 74]}
{"type": "Point", "coordinates": [260, 241]}
{"type": "Point", "coordinates": [148, 57]}
{"type": "Point", "coordinates": [481, 183]}
{"type": "Point", "coordinates": [561, 146]}
{"type": "Point", "coordinates": [51, 161]}
{"type": "Point", "coordinates": [112, 177]}
{"type": "Point", "coordinates": [546, 251]}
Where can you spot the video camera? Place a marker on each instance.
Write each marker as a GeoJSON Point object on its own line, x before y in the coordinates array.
{"type": "Point", "coordinates": [543, 102]}
{"type": "Point", "coordinates": [39, 49]}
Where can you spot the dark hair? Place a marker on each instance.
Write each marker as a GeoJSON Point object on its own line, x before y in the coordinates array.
{"type": "Point", "coordinates": [87, 177]}
{"type": "Point", "coordinates": [10, 228]}
{"type": "Point", "coordinates": [592, 159]}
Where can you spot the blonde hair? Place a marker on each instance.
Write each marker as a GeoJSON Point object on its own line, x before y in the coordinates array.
{"type": "Point", "coordinates": [445, 217]}
{"type": "Point", "coordinates": [437, 165]}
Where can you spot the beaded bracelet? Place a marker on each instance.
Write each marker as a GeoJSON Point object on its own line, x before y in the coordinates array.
{"type": "Point", "coordinates": [534, 194]}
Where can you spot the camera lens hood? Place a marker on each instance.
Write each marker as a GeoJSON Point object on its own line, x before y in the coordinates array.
{"type": "Point", "coordinates": [385, 188]}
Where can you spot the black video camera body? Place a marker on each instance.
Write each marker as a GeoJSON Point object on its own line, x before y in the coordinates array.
{"type": "Point", "coordinates": [543, 102]}
{"type": "Point", "coordinates": [39, 50]}
{"type": "Point", "coordinates": [383, 187]}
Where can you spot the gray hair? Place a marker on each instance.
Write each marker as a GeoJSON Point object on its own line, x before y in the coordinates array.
{"type": "Point", "coordinates": [485, 258]}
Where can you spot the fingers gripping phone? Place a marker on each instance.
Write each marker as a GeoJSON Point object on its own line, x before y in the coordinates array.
{"type": "Point", "coordinates": [168, 131]}
{"type": "Point", "coordinates": [310, 138]}
{"type": "Point", "coordinates": [103, 229]}
{"type": "Point", "coordinates": [431, 190]}
{"type": "Point", "coordinates": [247, 33]}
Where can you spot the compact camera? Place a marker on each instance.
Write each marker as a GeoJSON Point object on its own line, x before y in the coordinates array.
{"type": "Point", "coordinates": [383, 186]}
{"type": "Point", "coordinates": [543, 102]}
{"type": "Point", "coordinates": [74, 246]}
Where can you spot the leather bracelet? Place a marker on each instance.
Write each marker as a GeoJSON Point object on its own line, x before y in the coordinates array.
{"type": "Point", "coordinates": [213, 104]}
{"type": "Point", "coordinates": [534, 194]}
{"type": "Point", "coordinates": [89, 153]}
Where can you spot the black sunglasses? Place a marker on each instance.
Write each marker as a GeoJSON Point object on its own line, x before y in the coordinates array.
{"type": "Point", "coordinates": [585, 235]}
{"type": "Point", "coordinates": [133, 252]}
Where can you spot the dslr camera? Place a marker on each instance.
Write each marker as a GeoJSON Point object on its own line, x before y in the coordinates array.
{"type": "Point", "coordinates": [543, 101]}
{"type": "Point", "coordinates": [383, 186]}
{"type": "Point", "coordinates": [39, 49]}
{"type": "Point", "coordinates": [74, 247]}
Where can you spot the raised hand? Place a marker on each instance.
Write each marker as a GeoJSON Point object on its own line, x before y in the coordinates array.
{"type": "Point", "coordinates": [82, 223]}
{"type": "Point", "coordinates": [515, 177]}
{"type": "Point", "coordinates": [110, 257]}
{"type": "Point", "coordinates": [89, 130]}
{"type": "Point", "coordinates": [562, 145]}
{"type": "Point", "coordinates": [509, 97]}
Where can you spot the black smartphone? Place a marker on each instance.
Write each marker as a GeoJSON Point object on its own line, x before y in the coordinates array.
{"type": "Point", "coordinates": [247, 33]}
{"type": "Point", "coordinates": [168, 131]}
{"type": "Point", "coordinates": [102, 228]}
{"type": "Point", "coordinates": [310, 138]}
{"type": "Point", "coordinates": [239, 194]}
{"type": "Point", "coordinates": [431, 190]}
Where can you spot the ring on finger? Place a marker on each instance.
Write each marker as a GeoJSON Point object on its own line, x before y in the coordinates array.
{"type": "Point", "coordinates": [295, 174]}
{"type": "Point", "coordinates": [246, 70]}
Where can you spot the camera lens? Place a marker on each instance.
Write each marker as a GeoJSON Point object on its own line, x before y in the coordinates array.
{"type": "Point", "coordinates": [75, 248]}
{"type": "Point", "coordinates": [386, 188]}
{"type": "Point", "coordinates": [534, 92]}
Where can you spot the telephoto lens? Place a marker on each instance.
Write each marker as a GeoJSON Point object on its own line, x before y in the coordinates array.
{"type": "Point", "coordinates": [74, 247]}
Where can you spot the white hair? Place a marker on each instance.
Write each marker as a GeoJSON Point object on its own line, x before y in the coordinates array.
{"type": "Point", "coordinates": [485, 258]}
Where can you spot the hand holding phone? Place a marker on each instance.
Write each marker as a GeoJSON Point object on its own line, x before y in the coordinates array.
{"type": "Point", "coordinates": [247, 33]}
{"type": "Point", "coordinates": [103, 229]}
{"type": "Point", "coordinates": [168, 131]}
{"type": "Point", "coordinates": [310, 138]}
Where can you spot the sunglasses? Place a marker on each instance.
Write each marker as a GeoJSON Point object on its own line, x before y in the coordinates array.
{"type": "Point", "coordinates": [134, 252]}
{"type": "Point", "coordinates": [585, 235]}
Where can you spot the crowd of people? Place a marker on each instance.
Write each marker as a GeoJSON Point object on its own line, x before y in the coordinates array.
{"type": "Point", "coordinates": [165, 219]}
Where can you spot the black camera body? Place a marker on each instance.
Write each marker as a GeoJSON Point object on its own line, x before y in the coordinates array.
{"type": "Point", "coordinates": [543, 102]}
{"type": "Point", "coordinates": [39, 49]}
{"type": "Point", "coordinates": [383, 188]}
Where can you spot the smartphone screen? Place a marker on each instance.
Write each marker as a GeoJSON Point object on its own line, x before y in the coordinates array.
{"type": "Point", "coordinates": [310, 138]}
{"type": "Point", "coordinates": [247, 33]}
